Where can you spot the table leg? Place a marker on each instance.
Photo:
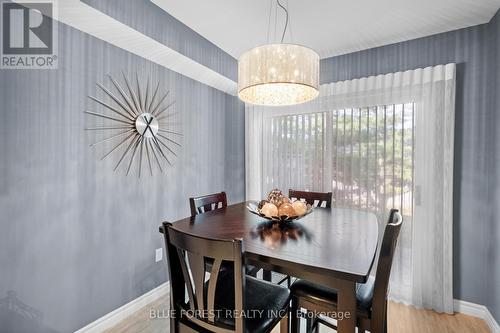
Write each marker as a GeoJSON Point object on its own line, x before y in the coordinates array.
{"type": "Point", "coordinates": [346, 307]}
{"type": "Point", "coordinates": [294, 318]}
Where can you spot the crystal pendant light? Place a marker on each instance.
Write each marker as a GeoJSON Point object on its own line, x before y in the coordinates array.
{"type": "Point", "coordinates": [278, 74]}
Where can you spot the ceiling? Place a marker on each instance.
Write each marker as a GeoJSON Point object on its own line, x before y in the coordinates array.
{"type": "Point", "coordinates": [331, 27]}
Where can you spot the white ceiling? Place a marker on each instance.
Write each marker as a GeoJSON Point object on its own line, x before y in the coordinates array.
{"type": "Point", "coordinates": [331, 27]}
{"type": "Point", "coordinates": [85, 18]}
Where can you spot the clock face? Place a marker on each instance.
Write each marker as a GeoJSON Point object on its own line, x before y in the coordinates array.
{"type": "Point", "coordinates": [138, 121]}
{"type": "Point", "coordinates": [147, 125]}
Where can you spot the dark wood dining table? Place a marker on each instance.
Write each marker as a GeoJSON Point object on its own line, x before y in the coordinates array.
{"type": "Point", "coordinates": [333, 247]}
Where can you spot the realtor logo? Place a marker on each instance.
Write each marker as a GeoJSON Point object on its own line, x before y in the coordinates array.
{"type": "Point", "coordinates": [29, 38]}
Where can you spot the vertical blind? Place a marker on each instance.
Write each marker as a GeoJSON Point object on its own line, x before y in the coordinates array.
{"type": "Point", "coordinates": [371, 155]}
{"type": "Point", "coordinates": [295, 152]}
{"type": "Point", "coordinates": [398, 144]}
{"type": "Point", "coordinates": [364, 156]}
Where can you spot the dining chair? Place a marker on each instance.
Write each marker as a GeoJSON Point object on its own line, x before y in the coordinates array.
{"type": "Point", "coordinates": [312, 197]}
{"type": "Point", "coordinates": [207, 203]}
{"type": "Point", "coordinates": [371, 312]}
{"type": "Point", "coordinates": [315, 199]}
{"type": "Point", "coordinates": [225, 301]}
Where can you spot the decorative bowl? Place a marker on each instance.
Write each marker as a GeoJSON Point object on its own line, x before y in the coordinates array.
{"type": "Point", "coordinates": [252, 207]}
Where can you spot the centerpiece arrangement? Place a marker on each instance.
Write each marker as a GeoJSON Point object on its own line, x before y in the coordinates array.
{"type": "Point", "coordinates": [278, 207]}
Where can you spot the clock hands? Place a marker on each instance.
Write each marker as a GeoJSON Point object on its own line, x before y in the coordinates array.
{"type": "Point", "coordinates": [148, 125]}
{"type": "Point", "coordinates": [155, 138]}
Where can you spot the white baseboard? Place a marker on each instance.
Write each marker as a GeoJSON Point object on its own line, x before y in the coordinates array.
{"type": "Point", "coordinates": [114, 317]}
{"type": "Point", "coordinates": [477, 310]}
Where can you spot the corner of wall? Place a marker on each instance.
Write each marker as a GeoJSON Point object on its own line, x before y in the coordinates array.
{"type": "Point", "coordinates": [493, 232]}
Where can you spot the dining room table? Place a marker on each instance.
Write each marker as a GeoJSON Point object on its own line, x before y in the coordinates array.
{"type": "Point", "coordinates": [333, 247]}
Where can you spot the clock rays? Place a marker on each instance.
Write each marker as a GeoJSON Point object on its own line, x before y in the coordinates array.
{"type": "Point", "coordinates": [138, 124]}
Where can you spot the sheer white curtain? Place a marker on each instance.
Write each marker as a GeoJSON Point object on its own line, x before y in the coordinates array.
{"type": "Point", "coordinates": [376, 143]}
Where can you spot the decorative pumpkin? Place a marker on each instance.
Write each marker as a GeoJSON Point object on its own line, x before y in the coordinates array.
{"type": "Point", "coordinates": [269, 210]}
{"type": "Point", "coordinates": [286, 209]}
{"type": "Point", "coordinates": [299, 207]}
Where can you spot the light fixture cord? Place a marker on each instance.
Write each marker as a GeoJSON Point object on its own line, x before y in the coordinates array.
{"type": "Point", "coordinates": [269, 20]}
{"type": "Point", "coordinates": [290, 25]}
{"type": "Point", "coordinates": [286, 22]}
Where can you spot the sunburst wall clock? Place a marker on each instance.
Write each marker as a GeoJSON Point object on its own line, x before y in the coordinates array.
{"type": "Point", "coordinates": [139, 123]}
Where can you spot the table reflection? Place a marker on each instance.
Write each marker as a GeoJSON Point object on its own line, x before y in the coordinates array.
{"type": "Point", "coordinates": [275, 234]}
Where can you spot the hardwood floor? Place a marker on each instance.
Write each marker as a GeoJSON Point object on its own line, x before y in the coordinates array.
{"type": "Point", "coordinates": [402, 318]}
{"type": "Point", "coordinates": [141, 321]}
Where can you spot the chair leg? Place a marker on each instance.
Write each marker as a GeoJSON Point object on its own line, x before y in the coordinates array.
{"type": "Point", "coordinates": [294, 318]}
{"type": "Point", "coordinates": [266, 275]}
{"type": "Point", "coordinates": [173, 324]}
{"type": "Point", "coordinates": [309, 324]}
{"type": "Point", "coordinates": [385, 317]}
{"type": "Point", "coordinates": [315, 326]}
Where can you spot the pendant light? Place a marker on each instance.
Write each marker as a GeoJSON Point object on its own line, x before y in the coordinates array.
{"type": "Point", "coordinates": [278, 74]}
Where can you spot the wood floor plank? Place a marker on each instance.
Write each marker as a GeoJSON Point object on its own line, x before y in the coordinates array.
{"type": "Point", "coordinates": [401, 318]}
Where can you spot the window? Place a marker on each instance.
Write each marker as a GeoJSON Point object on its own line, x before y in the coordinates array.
{"type": "Point", "coordinates": [364, 156]}
{"type": "Point", "coordinates": [372, 157]}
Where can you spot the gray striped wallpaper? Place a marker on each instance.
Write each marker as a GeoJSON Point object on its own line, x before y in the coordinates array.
{"type": "Point", "coordinates": [77, 240]}
{"type": "Point", "coordinates": [477, 175]}
{"type": "Point", "coordinates": [493, 234]}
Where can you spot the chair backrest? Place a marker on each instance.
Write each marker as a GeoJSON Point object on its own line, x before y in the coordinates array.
{"type": "Point", "coordinates": [312, 197]}
{"type": "Point", "coordinates": [384, 265]}
{"type": "Point", "coordinates": [187, 255]}
{"type": "Point", "coordinates": [207, 203]}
